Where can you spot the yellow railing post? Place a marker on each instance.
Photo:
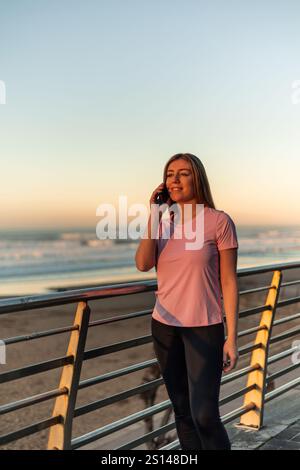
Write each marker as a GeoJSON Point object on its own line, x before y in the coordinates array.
{"type": "Point", "coordinates": [254, 418]}
{"type": "Point", "coordinates": [61, 433]}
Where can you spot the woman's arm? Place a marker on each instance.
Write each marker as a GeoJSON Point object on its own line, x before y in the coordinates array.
{"type": "Point", "coordinates": [229, 284]}
{"type": "Point", "coordinates": [145, 254]}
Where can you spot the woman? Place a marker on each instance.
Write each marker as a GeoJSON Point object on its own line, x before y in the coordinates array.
{"type": "Point", "coordinates": [187, 320]}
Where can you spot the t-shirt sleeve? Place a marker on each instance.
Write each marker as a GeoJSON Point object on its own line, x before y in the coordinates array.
{"type": "Point", "coordinates": [226, 236]}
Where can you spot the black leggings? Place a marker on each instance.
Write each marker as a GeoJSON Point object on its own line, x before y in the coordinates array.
{"type": "Point", "coordinates": [191, 363]}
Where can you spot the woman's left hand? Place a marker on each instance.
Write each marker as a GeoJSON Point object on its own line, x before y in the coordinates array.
{"type": "Point", "coordinates": [230, 355]}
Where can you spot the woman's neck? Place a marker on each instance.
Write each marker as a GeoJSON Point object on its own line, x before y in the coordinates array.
{"type": "Point", "coordinates": [187, 212]}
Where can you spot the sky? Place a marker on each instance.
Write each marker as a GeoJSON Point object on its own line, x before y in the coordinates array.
{"type": "Point", "coordinates": [100, 93]}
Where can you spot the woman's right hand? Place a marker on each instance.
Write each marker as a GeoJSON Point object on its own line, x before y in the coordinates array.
{"type": "Point", "coordinates": [157, 190]}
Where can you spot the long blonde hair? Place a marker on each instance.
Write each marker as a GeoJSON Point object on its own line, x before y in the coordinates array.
{"type": "Point", "coordinates": [201, 185]}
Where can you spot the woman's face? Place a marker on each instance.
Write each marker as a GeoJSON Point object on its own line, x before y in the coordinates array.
{"type": "Point", "coordinates": [179, 181]}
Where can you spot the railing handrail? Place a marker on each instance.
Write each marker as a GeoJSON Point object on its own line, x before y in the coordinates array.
{"type": "Point", "coordinates": [21, 303]}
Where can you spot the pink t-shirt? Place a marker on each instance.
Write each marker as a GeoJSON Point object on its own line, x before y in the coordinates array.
{"type": "Point", "coordinates": [189, 290]}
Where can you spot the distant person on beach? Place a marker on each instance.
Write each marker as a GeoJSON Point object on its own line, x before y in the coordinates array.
{"type": "Point", "coordinates": [187, 321]}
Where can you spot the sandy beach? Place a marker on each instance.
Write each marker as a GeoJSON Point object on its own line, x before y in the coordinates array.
{"type": "Point", "coordinates": [38, 350]}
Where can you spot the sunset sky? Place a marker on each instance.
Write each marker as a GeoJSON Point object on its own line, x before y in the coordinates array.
{"type": "Point", "coordinates": [100, 93]}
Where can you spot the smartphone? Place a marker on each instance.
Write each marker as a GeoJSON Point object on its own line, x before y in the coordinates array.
{"type": "Point", "coordinates": [162, 196]}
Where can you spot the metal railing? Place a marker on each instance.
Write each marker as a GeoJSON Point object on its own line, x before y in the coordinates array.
{"type": "Point", "coordinates": [255, 393]}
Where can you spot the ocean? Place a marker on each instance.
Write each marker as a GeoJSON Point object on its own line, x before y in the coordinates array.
{"type": "Point", "coordinates": [43, 261]}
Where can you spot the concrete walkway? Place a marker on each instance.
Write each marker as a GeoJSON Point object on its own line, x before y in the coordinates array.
{"type": "Point", "coordinates": [281, 430]}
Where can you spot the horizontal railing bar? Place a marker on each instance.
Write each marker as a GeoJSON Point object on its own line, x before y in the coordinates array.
{"type": "Point", "coordinates": [120, 424]}
{"type": "Point", "coordinates": [35, 369]}
{"type": "Point", "coordinates": [262, 308]}
{"type": "Point", "coordinates": [289, 301]}
{"type": "Point", "coordinates": [282, 336]}
{"type": "Point", "coordinates": [116, 373]}
{"type": "Point", "coordinates": [236, 394]}
{"type": "Point", "coordinates": [251, 330]}
{"type": "Point", "coordinates": [147, 437]}
{"type": "Point", "coordinates": [28, 430]}
{"type": "Point", "coordinates": [242, 272]}
{"type": "Point", "coordinates": [15, 304]}
{"type": "Point", "coordinates": [289, 283]}
{"type": "Point", "coordinates": [39, 334]}
{"type": "Point", "coordinates": [254, 310]}
{"type": "Point", "coordinates": [256, 289]}
{"type": "Point", "coordinates": [245, 349]}
{"type": "Point", "coordinates": [17, 405]}
{"type": "Point", "coordinates": [282, 372]}
{"type": "Point", "coordinates": [115, 347]}
{"type": "Point", "coordinates": [225, 419]}
{"type": "Point", "coordinates": [280, 390]}
{"type": "Point", "coordinates": [239, 373]}
{"type": "Point", "coordinates": [286, 319]}
{"type": "Point", "coordinates": [117, 397]}
{"type": "Point", "coordinates": [42, 334]}
{"type": "Point", "coordinates": [127, 316]}
{"type": "Point", "coordinates": [282, 355]}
